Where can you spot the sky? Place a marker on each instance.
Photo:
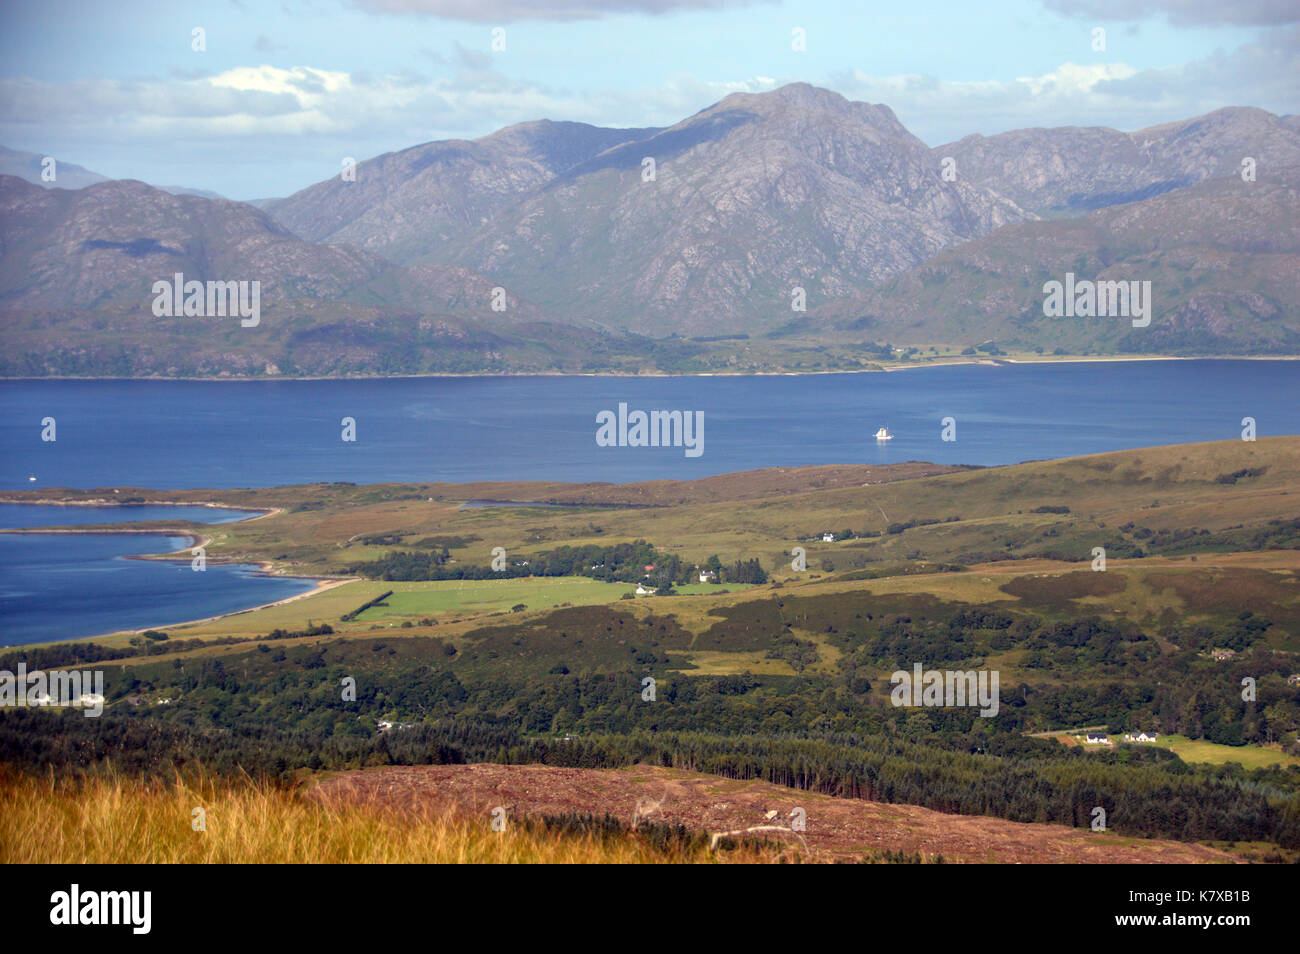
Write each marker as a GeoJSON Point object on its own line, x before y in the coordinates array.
{"type": "Point", "coordinates": [281, 91]}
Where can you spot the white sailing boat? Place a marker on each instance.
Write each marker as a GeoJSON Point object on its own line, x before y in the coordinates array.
{"type": "Point", "coordinates": [884, 435]}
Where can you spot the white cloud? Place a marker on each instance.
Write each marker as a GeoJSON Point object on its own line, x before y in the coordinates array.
{"type": "Point", "coordinates": [1071, 79]}
{"type": "Point", "coordinates": [1263, 74]}
{"type": "Point", "coordinates": [271, 79]}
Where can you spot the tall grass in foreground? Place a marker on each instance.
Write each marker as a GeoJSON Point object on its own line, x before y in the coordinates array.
{"type": "Point", "coordinates": [116, 819]}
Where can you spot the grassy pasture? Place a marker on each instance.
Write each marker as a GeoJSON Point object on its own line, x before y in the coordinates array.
{"type": "Point", "coordinates": [1199, 750]}
{"type": "Point", "coordinates": [1194, 750]}
{"type": "Point", "coordinates": [490, 596]}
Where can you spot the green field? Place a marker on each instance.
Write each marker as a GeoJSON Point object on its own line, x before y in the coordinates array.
{"type": "Point", "coordinates": [492, 596]}
{"type": "Point", "coordinates": [488, 596]}
{"type": "Point", "coordinates": [1248, 756]}
{"type": "Point", "coordinates": [413, 601]}
{"type": "Point", "coordinates": [1199, 750]}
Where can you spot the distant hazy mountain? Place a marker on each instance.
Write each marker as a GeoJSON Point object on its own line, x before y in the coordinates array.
{"type": "Point", "coordinates": [751, 198]}
{"type": "Point", "coordinates": [1073, 170]}
{"type": "Point", "coordinates": [106, 244]}
{"type": "Point", "coordinates": [30, 165]}
{"type": "Point", "coordinates": [611, 247]}
{"type": "Point", "coordinates": [412, 203]}
{"type": "Point", "coordinates": [77, 269]}
{"type": "Point", "coordinates": [186, 190]}
{"type": "Point", "coordinates": [1223, 259]}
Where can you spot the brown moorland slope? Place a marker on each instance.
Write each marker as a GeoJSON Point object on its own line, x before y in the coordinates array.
{"type": "Point", "coordinates": [837, 829]}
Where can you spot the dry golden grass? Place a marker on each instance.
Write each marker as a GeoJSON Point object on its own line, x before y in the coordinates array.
{"type": "Point", "coordinates": [117, 819]}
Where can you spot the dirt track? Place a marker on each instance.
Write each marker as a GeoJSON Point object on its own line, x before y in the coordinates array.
{"type": "Point", "coordinates": [836, 828]}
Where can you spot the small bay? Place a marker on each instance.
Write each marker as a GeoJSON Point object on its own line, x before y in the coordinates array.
{"type": "Point", "coordinates": [56, 586]}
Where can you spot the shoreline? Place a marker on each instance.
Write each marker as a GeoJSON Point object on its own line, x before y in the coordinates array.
{"type": "Point", "coordinates": [878, 369]}
{"type": "Point", "coordinates": [323, 584]}
{"type": "Point", "coordinates": [265, 568]}
{"type": "Point", "coordinates": [258, 512]}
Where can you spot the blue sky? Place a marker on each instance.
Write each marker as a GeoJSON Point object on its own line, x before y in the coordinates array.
{"type": "Point", "coordinates": [284, 90]}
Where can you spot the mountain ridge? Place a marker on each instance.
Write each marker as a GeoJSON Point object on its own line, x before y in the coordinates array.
{"type": "Point", "coordinates": [550, 246]}
{"type": "Point", "coordinates": [1074, 170]}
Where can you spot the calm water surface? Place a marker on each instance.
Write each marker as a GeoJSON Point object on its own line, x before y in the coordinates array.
{"type": "Point", "coordinates": [187, 434]}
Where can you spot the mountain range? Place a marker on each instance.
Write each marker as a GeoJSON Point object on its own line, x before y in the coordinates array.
{"type": "Point", "coordinates": [31, 166]}
{"type": "Point", "coordinates": [1222, 256]}
{"type": "Point", "coordinates": [553, 246]}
